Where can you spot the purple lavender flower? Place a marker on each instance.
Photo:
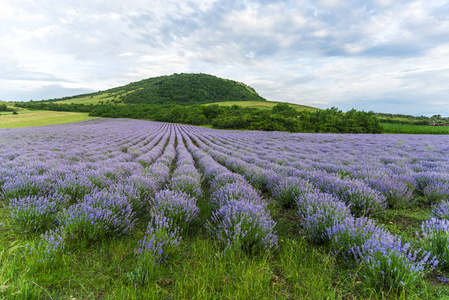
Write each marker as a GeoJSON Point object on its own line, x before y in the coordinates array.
{"type": "Point", "coordinates": [101, 214]}
{"type": "Point", "coordinates": [441, 211]}
{"type": "Point", "coordinates": [244, 225]}
{"type": "Point", "coordinates": [34, 213]}
{"type": "Point", "coordinates": [177, 206]}
{"type": "Point", "coordinates": [436, 239]}
{"type": "Point", "coordinates": [288, 189]}
{"type": "Point", "coordinates": [319, 211]}
{"type": "Point", "coordinates": [160, 241]}
{"type": "Point", "coordinates": [234, 191]}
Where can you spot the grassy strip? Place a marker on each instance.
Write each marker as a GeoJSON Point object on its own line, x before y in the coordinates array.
{"type": "Point", "coordinates": [41, 118]}
{"type": "Point", "coordinates": [414, 129]}
{"type": "Point", "coordinates": [265, 105]}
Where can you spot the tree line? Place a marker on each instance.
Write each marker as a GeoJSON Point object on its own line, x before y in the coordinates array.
{"type": "Point", "coordinates": [281, 117]}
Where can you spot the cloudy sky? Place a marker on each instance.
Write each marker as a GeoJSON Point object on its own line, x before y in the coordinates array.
{"type": "Point", "coordinates": [382, 55]}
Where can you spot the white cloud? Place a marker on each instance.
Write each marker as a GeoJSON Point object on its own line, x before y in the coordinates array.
{"type": "Point", "coordinates": [367, 55]}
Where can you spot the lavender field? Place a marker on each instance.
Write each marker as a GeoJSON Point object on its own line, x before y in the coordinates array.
{"type": "Point", "coordinates": [74, 188]}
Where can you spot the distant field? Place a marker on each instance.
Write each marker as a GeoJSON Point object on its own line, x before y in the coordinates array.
{"type": "Point", "coordinates": [94, 99]}
{"type": "Point", "coordinates": [40, 118]}
{"type": "Point", "coordinates": [88, 100]}
{"type": "Point", "coordinates": [265, 105]}
{"type": "Point", "coordinates": [414, 129]}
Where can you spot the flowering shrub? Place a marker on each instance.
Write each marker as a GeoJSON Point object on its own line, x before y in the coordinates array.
{"type": "Point", "coordinates": [441, 211]}
{"type": "Point", "coordinates": [101, 214]}
{"type": "Point", "coordinates": [179, 207]}
{"type": "Point", "coordinates": [437, 191]}
{"type": "Point", "coordinates": [223, 179]}
{"type": "Point", "coordinates": [436, 239]}
{"type": "Point", "coordinates": [240, 224]}
{"type": "Point", "coordinates": [288, 189]}
{"type": "Point", "coordinates": [350, 232]}
{"type": "Point", "coordinates": [398, 193]}
{"type": "Point", "coordinates": [319, 211]}
{"type": "Point", "coordinates": [388, 264]}
{"type": "Point", "coordinates": [363, 200]}
{"type": "Point", "coordinates": [35, 213]}
{"type": "Point", "coordinates": [234, 191]}
{"type": "Point", "coordinates": [160, 241]}
{"type": "Point", "coordinates": [186, 184]}
{"type": "Point", "coordinates": [75, 187]}
{"type": "Point", "coordinates": [27, 185]}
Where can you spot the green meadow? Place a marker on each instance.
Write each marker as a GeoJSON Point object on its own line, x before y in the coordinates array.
{"type": "Point", "coordinates": [265, 105]}
{"type": "Point", "coordinates": [40, 118]}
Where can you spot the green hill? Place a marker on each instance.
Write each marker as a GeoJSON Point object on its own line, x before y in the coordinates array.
{"type": "Point", "coordinates": [181, 89]}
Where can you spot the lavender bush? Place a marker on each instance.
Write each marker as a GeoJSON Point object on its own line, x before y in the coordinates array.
{"type": "Point", "coordinates": [245, 225]}
{"type": "Point", "coordinates": [390, 265]}
{"type": "Point", "coordinates": [161, 240]}
{"type": "Point", "coordinates": [441, 211]}
{"type": "Point", "coordinates": [100, 215]}
{"type": "Point", "coordinates": [179, 207]}
{"type": "Point", "coordinates": [288, 189]}
{"type": "Point", "coordinates": [319, 211]}
{"type": "Point", "coordinates": [436, 239]}
{"type": "Point", "coordinates": [234, 191]}
{"type": "Point", "coordinates": [37, 213]}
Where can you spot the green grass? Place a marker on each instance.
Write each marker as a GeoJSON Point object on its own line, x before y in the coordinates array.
{"type": "Point", "coordinates": [199, 270]}
{"type": "Point", "coordinates": [40, 118]}
{"type": "Point", "coordinates": [264, 105]}
{"type": "Point", "coordinates": [95, 99]}
{"type": "Point", "coordinates": [414, 129]}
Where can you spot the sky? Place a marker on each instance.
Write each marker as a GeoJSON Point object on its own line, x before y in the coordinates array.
{"type": "Point", "coordinates": [387, 56]}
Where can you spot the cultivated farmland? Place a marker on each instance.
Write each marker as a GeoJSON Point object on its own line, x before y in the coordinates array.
{"type": "Point", "coordinates": [127, 208]}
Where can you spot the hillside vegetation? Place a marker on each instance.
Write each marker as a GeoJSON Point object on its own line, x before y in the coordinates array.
{"type": "Point", "coordinates": [201, 99]}
{"type": "Point", "coordinates": [182, 89]}
{"type": "Point", "coordinates": [265, 105]}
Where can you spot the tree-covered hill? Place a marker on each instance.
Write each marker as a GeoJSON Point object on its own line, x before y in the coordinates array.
{"type": "Point", "coordinates": [180, 89]}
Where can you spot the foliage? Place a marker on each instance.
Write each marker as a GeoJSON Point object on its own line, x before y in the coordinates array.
{"type": "Point", "coordinates": [414, 129]}
{"type": "Point", "coordinates": [185, 89]}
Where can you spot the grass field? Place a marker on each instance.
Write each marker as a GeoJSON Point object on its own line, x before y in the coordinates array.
{"type": "Point", "coordinates": [265, 105]}
{"type": "Point", "coordinates": [93, 99]}
{"type": "Point", "coordinates": [414, 129]}
{"type": "Point", "coordinates": [40, 118]}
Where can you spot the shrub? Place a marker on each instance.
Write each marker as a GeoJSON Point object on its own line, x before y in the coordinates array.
{"type": "Point", "coordinates": [177, 206]}
{"type": "Point", "coordinates": [234, 191]}
{"type": "Point", "coordinates": [36, 213]}
{"type": "Point", "coordinates": [288, 189]}
{"type": "Point", "coordinates": [186, 184]}
{"type": "Point", "coordinates": [437, 191]}
{"type": "Point", "coordinates": [243, 225]}
{"type": "Point", "coordinates": [160, 241]}
{"type": "Point", "coordinates": [441, 211]}
{"type": "Point", "coordinates": [352, 232]}
{"type": "Point", "coordinates": [390, 265]}
{"type": "Point", "coordinates": [436, 239]}
{"type": "Point", "coordinates": [100, 215]}
{"type": "Point", "coordinates": [223, 179]}
{"type": "Point", "coordinates": [318, 212]}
